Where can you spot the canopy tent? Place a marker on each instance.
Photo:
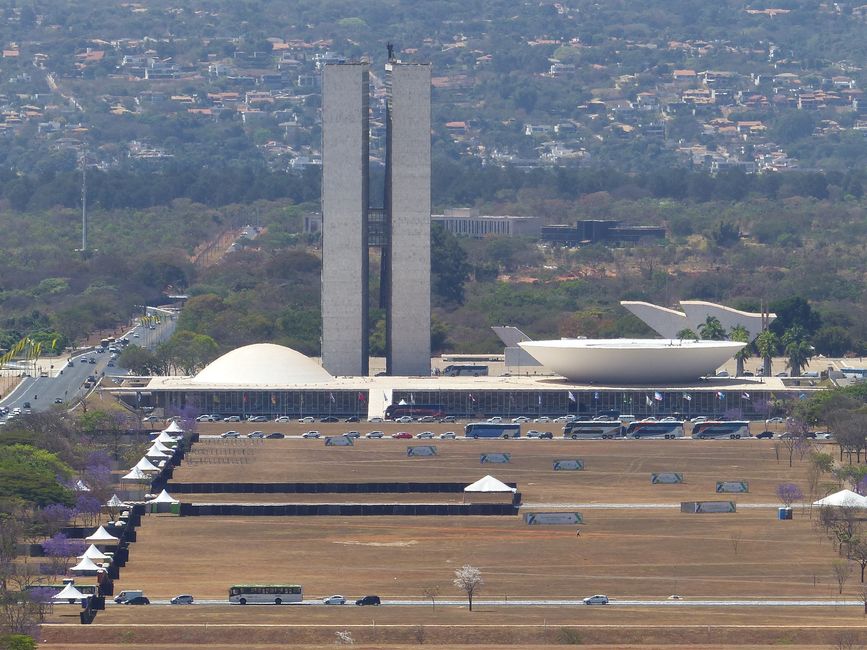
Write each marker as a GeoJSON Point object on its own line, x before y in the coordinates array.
{"type": "Point", "coordinates": [488, 484]}
{"type": "Point", "coordinates": [86, 566]}
{"type": "Point", "coordinates": [115, 502]}
{"type": "Point", "coordinates": [146, 466]}
{"type": "Point", "coordinates": [69, 593]}
{"type": "Point", "coordinates": [94, 553]}
{"type": "Point", "coordinates": [173, 428]}
{"type": "Point", "coordinates": [153, 452]}
{"type": "Point", "coordinates": [161, 447]}
{"type": "Point", "coordinates": [135, 474]}
{"type": "Point", "coordinates": [166, 439]}
{"type": "Point", "coordinates": [843, 498]}
{"type": "Point", "coordinates": [163, 497]}
{"type": "Point", "coordinates": [80, 486]}
{"type": "Point", "coordinates": [101, 536]}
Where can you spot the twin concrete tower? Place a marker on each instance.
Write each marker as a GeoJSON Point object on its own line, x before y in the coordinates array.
{"type": "Point", "coordinates": [351, 226]}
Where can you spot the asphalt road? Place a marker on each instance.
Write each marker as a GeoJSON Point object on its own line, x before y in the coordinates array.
{"type": "Point", "coordinates": [565, 603]}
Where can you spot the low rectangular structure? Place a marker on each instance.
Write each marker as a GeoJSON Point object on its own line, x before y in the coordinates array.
{"type": "Point", "coordinates": [732, 486]}
{"type": "Point", "coordinates": [666, 478]}
{"type": "Point", "coordinates": [495, 458]}
{"type": "Point", "coordinates": [422, 450]}
{"type": "Point", "coordinates": [553, 518]}
{"type": "Point", "coordinates": [338, 441]}
{"type": "Point", "coordinates": [699, 507]}
{"type": "Point", "coordinates": [569, 464]}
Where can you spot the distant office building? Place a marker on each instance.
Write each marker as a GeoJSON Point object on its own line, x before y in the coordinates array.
{"type": "Point", "coordinates": [596, 231]}
{"type": "Point", "coordinates": [350, 225]}
{"type": "Point", "coordinates": [462, 222]}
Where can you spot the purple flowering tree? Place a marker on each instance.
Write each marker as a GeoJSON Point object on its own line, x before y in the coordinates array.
{"type": "Point", "coordinates": [50, 519]}
{"type": "Point", "coordinates": [87, 508]}
{"type": "Point", "coordinates": [789, 493]}
{"type": "Point", "coordinates": [60, 550]}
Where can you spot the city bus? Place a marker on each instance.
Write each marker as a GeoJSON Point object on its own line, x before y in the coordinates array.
{"type": "Point", "coordinates": [394, 411]}
{"type": "Point", "coordinates": [265, 594]}
{"type": "Point", "coordinates": [734, 429]}
{"type": "Point", "coordinates": [584, 430]}
{"type": "Point", "coordinates": [654, 429]}
{"type": "Point", "coordinates": [492, 430]}
{"type": "Point", "coordinates": [465, 371]}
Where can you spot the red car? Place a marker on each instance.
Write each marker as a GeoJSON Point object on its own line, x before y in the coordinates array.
{"type": "Point", "coordinates": [403, 435]}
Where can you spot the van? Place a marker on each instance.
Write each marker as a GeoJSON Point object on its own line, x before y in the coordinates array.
{"type": "Point", "coordinates": [128, 594]}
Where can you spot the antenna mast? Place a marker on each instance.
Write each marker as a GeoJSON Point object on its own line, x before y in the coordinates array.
{"type": "Point", "coordinates": [84, 200]}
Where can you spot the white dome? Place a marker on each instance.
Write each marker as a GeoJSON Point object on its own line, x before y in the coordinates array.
{"type": "Point", "coordinates": [262, 364]}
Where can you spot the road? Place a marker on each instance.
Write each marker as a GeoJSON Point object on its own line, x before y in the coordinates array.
{"type": "Point", "coordinates": [65, 383]}
{"type": "Point", "coordinates": [568, 603]}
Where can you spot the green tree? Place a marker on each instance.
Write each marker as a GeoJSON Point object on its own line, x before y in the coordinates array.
{"type": "Point", "coordinates": [449, 267]}
{"type": "Point", "coordinates": [712, 330]}
{"type": "Point", "coordinates": [31, 474]}
{"type": "Point", "coordinates": [686, 334]}
{"type": "Point", "coordinates": [740, 334]}
{"type": "Point", "coordinates": [767, 344]}
{"type": "Point", "coordinates": [797, 349]}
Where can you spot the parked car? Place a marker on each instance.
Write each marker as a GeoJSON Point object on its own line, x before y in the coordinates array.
{"type": "Point", "coordinates": [776, 420]}
{"type": "Point", "coordinates": [138, 600]}
{"type": "Point", "coordinates": [374, 434]}
{"type": "Point", "coordinates": [351, 418]}
{"type": "Point", "coordinates": [402, 435]}
{"type": "Point", "coordinates": [257, 434]}
{"type": "Point", "coordinates": [543, 419]}
{"type": "Point", "coordinates": [307, 420]}
{"type": "Point", "coordinates": [232, 418]}
{"type": "Point", "coordinates": [766, 434]}
{"type": "Point", "coordinates": [257, 418]}
{"type": "Point", "coordinates": [598, 599]}
{"type": "Point", "coordinates": [283, 418]}
{"type": "Point", "coordinates": [425, 435]}
{"type": "Point", "coordinates": [540, 434]}
{"type": "Point", "coordinates": [404, 419]}
{"type": "Point", "coordinates": [127, 594]}
{"type": "Point", "coordinates": [448, 419]}
{"type": "Point", "coordinates": [352, 434]}
{"type": "Point", "coordinates": [275, 435]}
{"type": "Point", "coordinates": [520, 419]}
{"type": "Point", "coordinates": [427, 418]}
{"type": "Point", "coordinates": [495, 420]}
{"type": "Point", "coordinates": [368, 600]}
{"type": "Point", "coordinates": [336, 599]}
{"type": "Point", "coordinates": [230, 434]}
{"type": "Point", "coordinates": [310, 434]}
{"type": "Point", "coordinates": [448, 435]}
{"type": "Point", "coordinates": [183, 599]}
{"type": "Point", "coordinates": [207, 418]}
{"type": "Point", "coordinates": [329, 419]}
{"type": "Point", "coordinates": [374, 419]}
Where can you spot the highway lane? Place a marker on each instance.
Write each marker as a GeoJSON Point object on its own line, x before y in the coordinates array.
{"type": "Point", "coordinates": [613, 603]}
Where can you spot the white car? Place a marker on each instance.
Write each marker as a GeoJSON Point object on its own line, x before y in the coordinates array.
{"type": "Point", "coordinates": [206, 418]}
{"type": "Point", "coordinates": [334, 600]}
{"type": "Point", "coordinates": [233, 418]}
{"type": "Point", "coordinates": [448, 435]}
{"type": "Point", "coordinates": [598, 599]}
{"type": "Point", "coordinates": [375, 419]}
{"type": "Point", "coordinates": [283, 418]}
{"type": "Point", "coordinates": [425, 435]}
{"type": "Point", "coordinates": [307, 420]}
{"type": "Point", "coordinates": [257, 434]}
{"type": "Point", "coordinates": [520, 419]}
{"type": "Point", "coordinates": [495, 420]}
{"type": "Point", "coordinates": [230, 434]}
{"type": "Point", "coordinates": [543, 420]}
{"type": "Point", "coordinates": [374, 434]}
{"type": "Point", "coordinates": [310, 434]}
{"type": "Point", "coordinates": [404, 419]}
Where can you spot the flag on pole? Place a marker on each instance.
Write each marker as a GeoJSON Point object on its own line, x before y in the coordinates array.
{"type": "Point", "coordinates": [331, 397]}
{"type": "Point", "coordinates": [648, 401]}
{"type": "Point", "coordinates": [596, 395]}
{"type": "Point", "coordinates": [720, 395]}
{"type": "Point", "coordinates": [540, 400]}
{"type": "Point", "coordinates": [745, 395]}
{"type": "Point", "coordinates": [657, 396]}
{"type": "Point", "coordinates": [472, 398]}
{"type": "Point", "coordinates": [687, 397]}
{"type": "Point", "coordinates": [361, 397]}
{"type": "Point", "coordinates": [571, 396]}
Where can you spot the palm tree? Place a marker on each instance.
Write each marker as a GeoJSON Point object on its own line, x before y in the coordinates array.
{"type": "Point", "coordinates": [767, 344]}
{"type": "Point", "coordinates": [712, 330]}
{"type": "Point", "coordinates": [740, 334]}
{"type": "Point", "coordinates": [797, 350]}
{"type": "Point", "coordinates": [687, 334]}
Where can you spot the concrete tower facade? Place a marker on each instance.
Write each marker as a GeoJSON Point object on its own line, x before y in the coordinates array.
{"type": "Point", "coordinates": [407, 208]}
{"type": "Point", "coordinates": [345, 184]}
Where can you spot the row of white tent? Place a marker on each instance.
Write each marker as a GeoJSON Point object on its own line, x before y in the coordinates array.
{"type": "Point", "coordinates": [159, 451]}
{"type": "Point", "coordinates": [843, 498]}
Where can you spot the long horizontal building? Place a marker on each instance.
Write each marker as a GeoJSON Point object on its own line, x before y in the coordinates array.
{"type": "Point", "coordinates": [271, 380]}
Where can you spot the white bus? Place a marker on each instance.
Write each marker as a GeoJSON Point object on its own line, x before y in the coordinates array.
{"type": "Point", "coordinates": [654, 429]}
{"type": "Point", "coordinates": [592, 430]}
{"type": "Point", "coordinates": [733, 429]}
{"type": "Point", "coordinates": [265, 594]}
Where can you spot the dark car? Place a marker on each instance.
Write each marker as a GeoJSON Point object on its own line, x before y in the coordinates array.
{"type": "Point", "coordinates": [27, 405]}
{"type": "Point", "coordinates": [368, 600]}
{"type": "Point", "coordinates": [766, 434]}
{"type": "Point", "coordinates": [330, 418]}
{"type": "Point", "coordinates": [138, 600]}
{"type": "Point", "coordinates": [276, 435]}
{"type": "Point", "coordinates": [351, 418]}
{"type": "Point", "coordinates": [58, 400]}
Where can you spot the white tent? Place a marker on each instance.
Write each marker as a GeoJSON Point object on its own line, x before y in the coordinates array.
{"type": "Point", "coordinates": [94, 554]}
{"type": "Point", "coordinates": [101, 536]}
{"type": "Point", "coordinates": [153, 452]}
{"type": "Point", "coordinates": [488, 484]}
{"type": "Point", "coordinates": [69, 593]}
{"type": "Point", "coordinates": [166, 439]}
{"type": "Point", "coordinates": [173, 428]}
{"type": "Point", "coordinates": [843, 498]}
{"type": "Point", "coordinates": [161, 447]}
{"type": "Point", "coordinates": [81, 486]}
{"type": "Point", "coordinates": [86, 566]}
{"type": "Point", "coordinates": [163, 497]}
{"type": "Point", "coordinates": [135, 474]}
{"type": "Point", "coordinates": [115, 502]}
{"type": "Point", "coordinates": [146, 466]}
